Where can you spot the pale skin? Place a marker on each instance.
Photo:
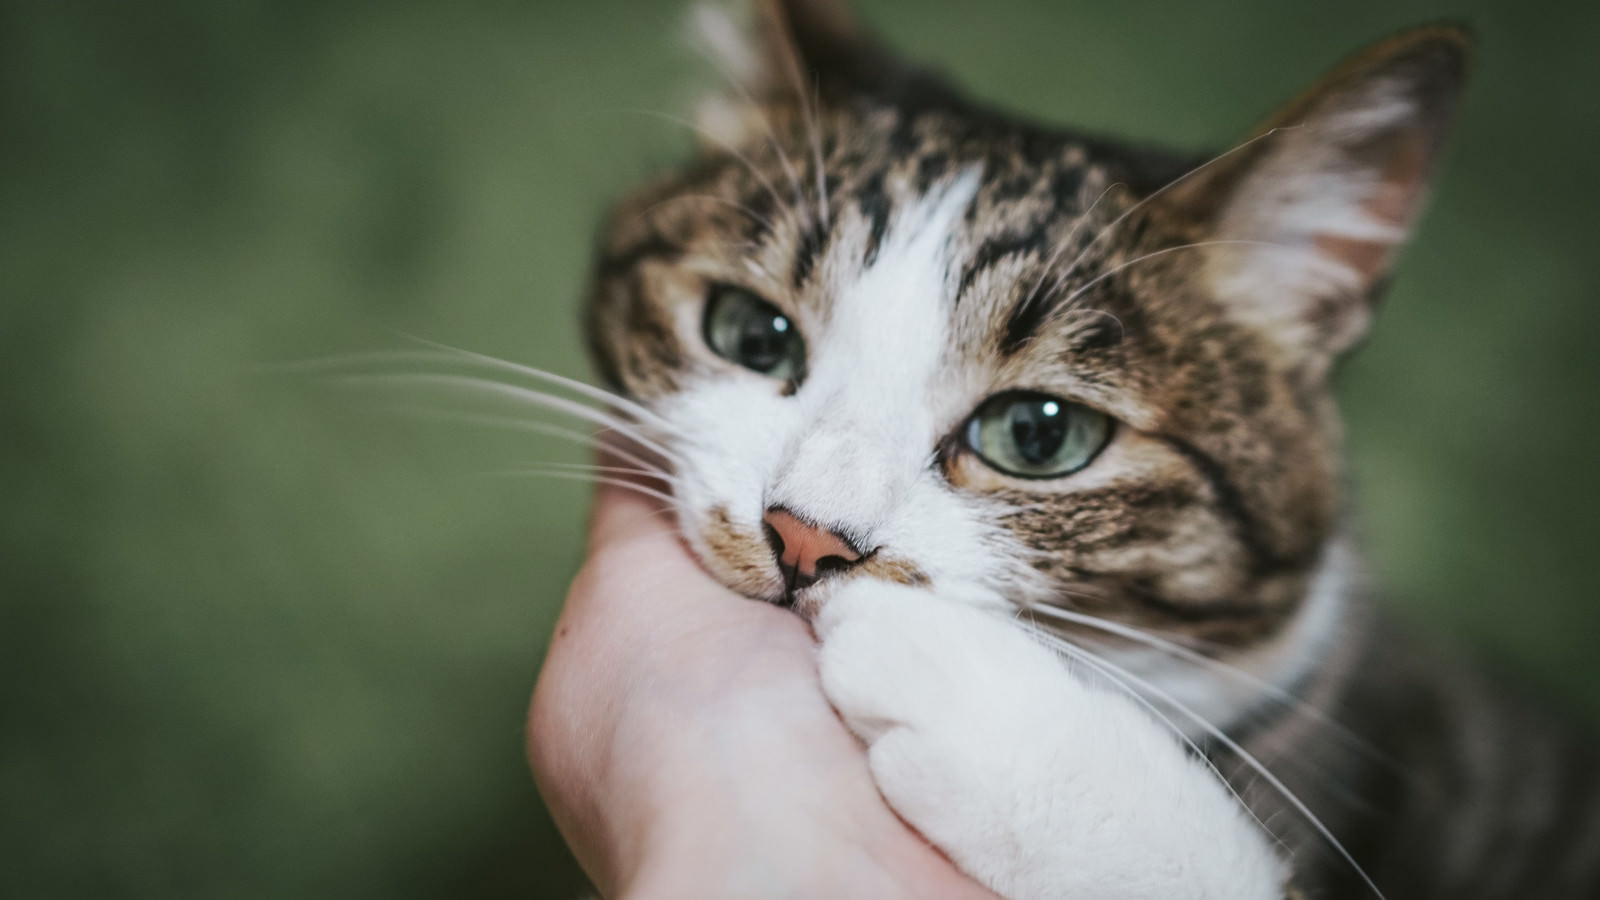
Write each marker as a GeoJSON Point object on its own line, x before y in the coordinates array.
{"type": "Point", "coordinates": [679, 735]}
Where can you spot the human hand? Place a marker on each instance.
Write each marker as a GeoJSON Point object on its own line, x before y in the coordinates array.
{"type": "Point", "coordinates": [681, 740]}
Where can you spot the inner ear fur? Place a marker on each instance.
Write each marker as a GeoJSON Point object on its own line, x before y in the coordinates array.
{"type": "Point", "coordinates": [813, 52]}
{"type": "Point", "coordinates": [1313, 208]}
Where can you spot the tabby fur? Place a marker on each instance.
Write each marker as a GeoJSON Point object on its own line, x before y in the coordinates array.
{"type": "Point", "coordinates": [1215, 518]}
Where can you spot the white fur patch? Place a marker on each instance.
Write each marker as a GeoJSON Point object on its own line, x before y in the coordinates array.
{"type": "Point", "coordinates": [867, 400]}
{"type": "Point", "coordinates": [1036, 782]}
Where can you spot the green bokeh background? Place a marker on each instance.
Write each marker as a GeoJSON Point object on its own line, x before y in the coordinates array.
{"type": "Point", "coordinates": [255, 642]}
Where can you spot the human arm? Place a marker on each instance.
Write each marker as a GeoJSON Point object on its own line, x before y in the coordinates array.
{"type": "Point", "coordinates": [681, 740]}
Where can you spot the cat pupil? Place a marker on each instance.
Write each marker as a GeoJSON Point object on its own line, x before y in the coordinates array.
{"type": "Point", "coordinates": [763, 345]}
{"type": "Point", "coordinates": [1038, 430]}
{"type": "Point", "coordinates": [745, 329]}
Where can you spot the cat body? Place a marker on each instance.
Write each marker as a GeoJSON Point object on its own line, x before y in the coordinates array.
{"type": "Point", "coordinates": [1035, 429]}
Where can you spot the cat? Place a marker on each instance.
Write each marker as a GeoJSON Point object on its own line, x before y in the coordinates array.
{"type": "Point", "coordinates": [1035, 428]}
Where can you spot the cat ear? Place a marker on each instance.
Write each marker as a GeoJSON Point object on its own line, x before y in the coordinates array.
{"type": "Point", "coordinates": [1321, 199]}
{"type": "Point", "coordinates": [790, 51]}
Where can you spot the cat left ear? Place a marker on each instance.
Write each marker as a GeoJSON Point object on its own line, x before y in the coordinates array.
{"type": "Point", "coordinates": [795, 51]}
{"type": "Point", "coordinates": [1314, 208]}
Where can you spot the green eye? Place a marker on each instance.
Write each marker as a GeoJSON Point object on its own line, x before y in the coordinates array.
{"type": "Point", "coordinates": [1036, 435]}
{"type": "Point", "coordinates": [747, 330]}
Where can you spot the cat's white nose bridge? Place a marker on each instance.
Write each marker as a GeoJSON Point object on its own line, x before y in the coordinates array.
{"type": "Point", "coordinates": [866, 430]}
{"type": "Point", "coordinates": [843, 470]}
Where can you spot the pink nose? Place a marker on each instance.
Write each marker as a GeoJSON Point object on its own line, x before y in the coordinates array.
{"type": "Point", "coordinates": [806, 552]}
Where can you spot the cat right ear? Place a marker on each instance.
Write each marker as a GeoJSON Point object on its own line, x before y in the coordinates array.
{"type": "Point", "coordinates": [792, 52]}
{"type": "Point", "coordinates": [1311, 211]}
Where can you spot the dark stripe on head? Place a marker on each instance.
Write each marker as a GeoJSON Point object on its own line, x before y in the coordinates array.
{"type": "Point", "coordinates": [1102, 332]}
{"type": "Point", "coordinates": [1065, 187]}
{"type": "Point", "coordinates": [763, 206]}
{"type": "Point", "coordinates": [628, 258]}
{"type": "Point", "coordinates": [1011, 188]}
{"type": "Point", "coordinates": [874, 204]}
{"type": "Point", "coordinates": [1025, 319]}
{"type": "Point", "coordinates": [998, 249]}
{"type": "Point", "coordinates": [812, 242]}
{"type": "Point", "coordinates": [1230, 501]}
{"type": "Point", "coordinates": [930, 168]}
{"type": "Point", "coordinates": [1033, 309]}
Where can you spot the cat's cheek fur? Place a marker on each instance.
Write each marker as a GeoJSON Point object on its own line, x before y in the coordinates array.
{"type": "Point", "coordinates": [1036, 782]}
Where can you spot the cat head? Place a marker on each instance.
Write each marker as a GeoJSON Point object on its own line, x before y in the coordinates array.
{"type": "Point", "coordinates": [887, 332]}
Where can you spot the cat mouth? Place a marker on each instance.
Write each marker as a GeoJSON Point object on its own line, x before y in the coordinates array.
{"type": "Point", "coordinates": [795, 590]}
{"type": "Point", "coordinates": [807, 596]}
{"type": "Point", "coordinates": [797, 580]}
{"type": "Point", "coordinates": [757, 565]}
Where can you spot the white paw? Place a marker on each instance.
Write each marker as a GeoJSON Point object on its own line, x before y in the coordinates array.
{"type": "Point", "coordinates": [1034, 782]}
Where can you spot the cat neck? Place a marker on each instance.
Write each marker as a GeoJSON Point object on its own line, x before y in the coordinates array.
{"type": "Point", "coordinates": [1275, 690]}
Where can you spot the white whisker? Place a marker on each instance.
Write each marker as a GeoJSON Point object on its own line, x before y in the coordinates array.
{"type": "Point", "coordinates": [637, 410]}
{"type": "Point", "coordinates": [766, 183]}
{"type": "Point", "coordinates": [565, 475]}
{"type": "Point", "coordinates": [508, 423]}
{"type": "Point", "coordinates": [1221, 737]}
{"type": "Point", "coordinates": [1121, 328]}
{"type": "Point", "coordinates": [513, 392]}
{"type": "Point", "coordinates": [620, 471]}
{"type": "Point", "coordinates": [594, 440]}
{"type": "Point", "coordinates": [1158, 192]}
{"type": "Point", "coordinates": [1114, 270]}
{"type": "Point", "coordinates": [1111, 673]}
{"type": "Point", "coordinates": [1089, 657]}
{"type": "Point", "coordinates": [754, 216]}
{"type": "Point", "coordinates": [1033, 295]}
{"type": "Point", "coordinates": [738, 85]}
{"type": "Point", "coordinates": [805, 94]}
{"type": "Point", "coordinates": [442, 353]}
{"type": "Point", "coordinates": [1154, 641]}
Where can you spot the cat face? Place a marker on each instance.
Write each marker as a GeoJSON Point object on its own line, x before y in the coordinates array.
{"type": "Point", "coordinates": [1028, 369]}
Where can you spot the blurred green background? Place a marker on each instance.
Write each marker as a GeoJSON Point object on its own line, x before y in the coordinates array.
{"type": "Point", "coordinates": [257, 643]}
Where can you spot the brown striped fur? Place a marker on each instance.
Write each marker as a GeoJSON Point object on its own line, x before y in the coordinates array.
{"type": "Point", "coordinates": [1207, 516]}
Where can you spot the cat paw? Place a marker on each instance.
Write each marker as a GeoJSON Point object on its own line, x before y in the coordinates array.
{"type": "Point", "coordinates": [1034, 781]}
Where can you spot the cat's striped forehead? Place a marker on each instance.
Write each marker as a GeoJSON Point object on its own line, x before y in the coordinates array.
{"type": "Point", "coordinates": [1033, 297]}
{"type": "Point", "coordinates": [766, 215]}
